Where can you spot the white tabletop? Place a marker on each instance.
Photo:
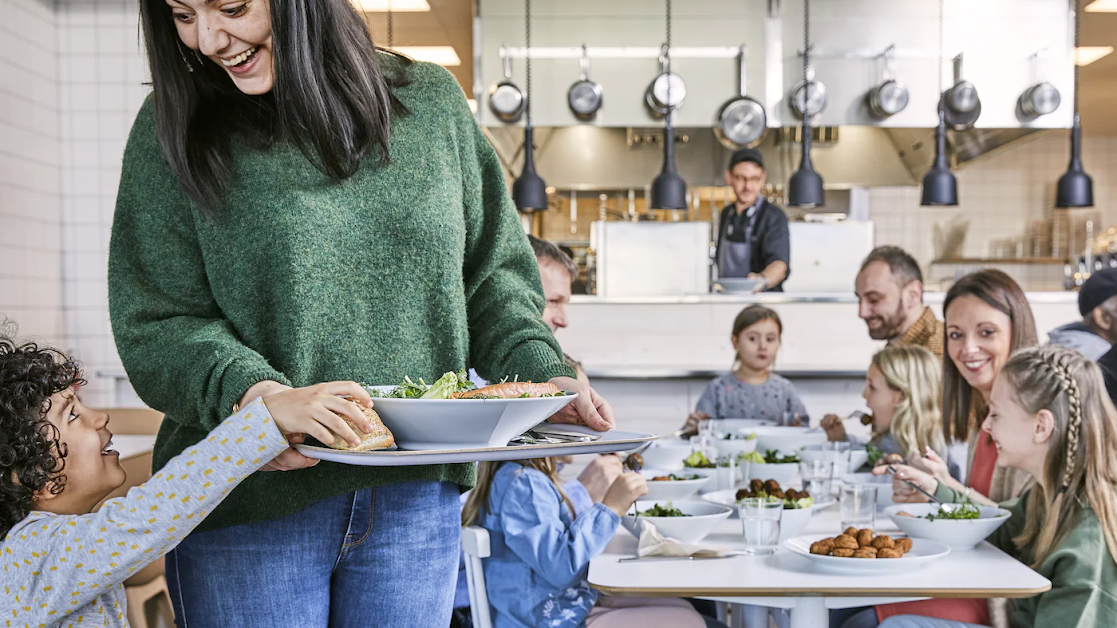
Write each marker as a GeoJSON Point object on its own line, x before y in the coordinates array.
{"type": "Point", "coordinates": [130, 445]}
{"type": "Point", "coordinates": [979, 573]}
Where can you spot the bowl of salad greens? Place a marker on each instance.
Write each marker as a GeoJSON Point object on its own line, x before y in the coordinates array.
{"type": "Point", "coordinates": [673, 485]}
{"type": "Point", "coordinates": [425, 416]}
{"type": "Point", "coordinates": [961, 526]}
{"type": "Point", "coordinates": [786, 438]}
{"type": "Point", "coordinates": [687, 522]}
{"type": "Point", "coordinates": [771, 465]}
{"type": "Point", "coordinates": [666, 453]}
{"type": "Point", "coordinates": [735, 443]}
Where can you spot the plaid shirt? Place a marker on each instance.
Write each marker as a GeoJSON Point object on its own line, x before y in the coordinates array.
{"type": "Point", "coordinates": [927, 332]}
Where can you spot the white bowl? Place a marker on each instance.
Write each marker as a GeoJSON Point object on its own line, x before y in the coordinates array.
{"type": "Point", "coordinates": [785, 439]}
{"type": "Point", "coordinates": [673, 490]}
{"type": "Point", "coordinates": [959, 534]}
{"type": "Point", "coordinates": [784, 473]}
{"type": "Point", "coordinates": [734, 425]}
{"type": "Point", "coordinates": [734, 447]}
{"type": "Point", "coordinates": [882, 482]}
{"type": "Point", "coordinates": [793, 521]}
{"type": "Point", "coordinates": [857, 457]}
{"type": "Point", "coordinates": [423, 424]}
{"type": "Point", "coordinates": [703, 517]}
{"type": "Point", "coordinates": [666, 454]}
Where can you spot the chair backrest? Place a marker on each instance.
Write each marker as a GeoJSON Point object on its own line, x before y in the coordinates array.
{"type": "Point", "coordinates": [475, 546]}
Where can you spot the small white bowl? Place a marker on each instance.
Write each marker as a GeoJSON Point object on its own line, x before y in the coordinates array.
{"type": "Point", "coordinates": [784, 473]}
{"type": "Point", "coordinates": [703, 517]}
{"type": "Point", "coordinates": [666, 454]}
{"type": "Point", "coordinates": [958, 534]}
{"type": "Point", "coordinates": [857, 457]}
{"type": "Point", "coordinates": [793, 521]}
{"type": "Point", "coordinates": [673, 490]}
{"type": "Point", "coordinates": [786, 439]}
{"type": "Point", "coordinates": [734, 447]}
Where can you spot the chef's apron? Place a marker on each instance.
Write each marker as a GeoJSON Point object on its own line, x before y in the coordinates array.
{"type": "Point", "coordinates": [735, 258]}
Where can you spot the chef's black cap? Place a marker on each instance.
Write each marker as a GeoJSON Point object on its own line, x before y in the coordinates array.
{"type": "Point", "coordinates": [746, 154]}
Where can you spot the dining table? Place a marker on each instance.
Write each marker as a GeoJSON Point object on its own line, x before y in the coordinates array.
{"type": "Point", "coordinates": [787, 580]}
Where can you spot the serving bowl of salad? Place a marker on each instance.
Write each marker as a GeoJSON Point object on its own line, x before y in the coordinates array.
{"type": "Point", "coordinates": [785, 438]}
{"type": "Point", "coordinates": [736, 443]}
{"type": "Point", "coordinates": [673, 485]}
{"type": "Point", "coordinates": [960, 526]}
{"type": "Point", "coordinates": [798, 505]}
{"type": "Point", "coordinates": [771, 465]}
{"type": "Point", "coordinates": [857, 457]}
{"type": "Point", "coordinates": [687, 522]}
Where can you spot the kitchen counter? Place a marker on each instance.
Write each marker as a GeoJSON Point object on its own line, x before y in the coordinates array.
{"type": "Point", "coordinates": [766, 298]}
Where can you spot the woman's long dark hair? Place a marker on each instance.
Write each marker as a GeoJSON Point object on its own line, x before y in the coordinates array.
{"type": "Point", "coordinates": [332, 96]}
{"type": "Point", "coordinates": [959, 399]}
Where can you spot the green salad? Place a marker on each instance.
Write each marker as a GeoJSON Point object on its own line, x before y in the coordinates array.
{"type": "Point", "coordinates": [875, 454]}
{"type": "Point", "coordinates": [444, 388]}
{"type": "Point", "coordinates": [967, 511]}
{"type": "Point", "coordinates": [666, 510]}
{"type": "Point", "coordinates": [749, 436]}
{"type": "Point", "coordinates": [698, 460]}
{"type": "Point", "coordinates": [770, 456]}
{"type": "Point", "coordinates": [671, 477]}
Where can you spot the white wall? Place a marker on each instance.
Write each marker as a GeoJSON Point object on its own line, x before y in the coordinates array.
{"type": "Point", "coordinates": [30, 176]}
{"type": "Point", "coordinates": [102, 72]}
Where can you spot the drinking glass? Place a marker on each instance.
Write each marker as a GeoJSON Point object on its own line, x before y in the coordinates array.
{"type": "Point", "coordinates": [818, 476]}
{"type": "Point", "coordinates": [839, 453]}
{"type": "Point", "coordinates": [858, 505]}
{"type": "Point", "coordinates": [727, 475]}
{"type": "Point", "coordinates": [760, 524]}
{"type": "Point", "coordinates": [704, 444]}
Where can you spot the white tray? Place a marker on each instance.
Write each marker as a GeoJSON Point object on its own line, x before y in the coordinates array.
{"type": "Point", "coordinates": [611, 441]}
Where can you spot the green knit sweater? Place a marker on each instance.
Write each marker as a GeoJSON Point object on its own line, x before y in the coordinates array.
{"type": "Point", "coordinates": [414, 268]}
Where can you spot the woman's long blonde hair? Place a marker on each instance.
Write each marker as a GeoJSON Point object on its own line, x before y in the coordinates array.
{"type": "Point", "coordinates": [478, 501]}
{"type": "Point", "coordinates": [915, 373]}
{"type": "Point", "coordinates": [1080, 469]}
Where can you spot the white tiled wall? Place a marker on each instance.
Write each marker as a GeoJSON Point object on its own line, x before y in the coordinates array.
{"type": "Point", "coordinates": [30, 176]}
{"type": "Point", "coordinates": [102, 72]}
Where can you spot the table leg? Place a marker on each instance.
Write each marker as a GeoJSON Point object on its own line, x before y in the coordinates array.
{"type": "Point", "coordinates": [810, 612]}
{"type": "Point", "coordinates": [754, 616]}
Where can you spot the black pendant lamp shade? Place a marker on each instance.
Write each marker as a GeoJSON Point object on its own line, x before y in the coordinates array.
{"type": "Point", "coordinates": [668, 188]}
{"type": "Point", "coordinates": [805, 187]}
{"type": "Point", "coordinates": [1076, 188]}
{"type": "Point", "coordinates": [940, 187]}
{"type": "Point", "coordinates": [528, 190]}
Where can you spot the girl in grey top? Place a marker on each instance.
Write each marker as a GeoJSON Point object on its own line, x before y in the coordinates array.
{"type": "Point", "coordinates": [751, 390]}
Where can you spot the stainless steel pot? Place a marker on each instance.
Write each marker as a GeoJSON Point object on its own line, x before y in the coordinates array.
{"type": "Point", "coordinates": [741, 121]}
{"type": "Point", "coordinates": [585, 96]}
{"type": "Point", "coordinates": [961, 103]}
{"type": "Point", "coordinates": [667, 91]}
{"type": "Point", "coordinates": [1039, 100]}
{"type": "Point", "coordinates": [506, 99]}
{"type": "Point", "coordinates": [798, 98]}
{"type": "Point", "coordinates": [890, 96]}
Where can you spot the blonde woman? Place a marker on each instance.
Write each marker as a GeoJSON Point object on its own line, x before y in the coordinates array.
{"type": "Point", "coordinates": [1050, 417]}
{"type": "Point", "coordinates": [902, 390]}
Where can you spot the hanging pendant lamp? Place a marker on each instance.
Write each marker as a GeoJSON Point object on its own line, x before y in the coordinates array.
{"type": "Point", "coordinates": [529, 192]}
{"type": "Point", "coordinates": [1076, 188]}
{"type": "Point", "coordinates": [805, 188]}
{"type": "Point", "coordinates": [940, 187]}
{"type": "Point", "coordinates": [668, 188]}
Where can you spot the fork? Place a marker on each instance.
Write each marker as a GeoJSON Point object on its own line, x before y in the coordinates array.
{"type": "Point", "coordinates": [946, 507]}
{"type": "Point", "coordinates": [856, 414]}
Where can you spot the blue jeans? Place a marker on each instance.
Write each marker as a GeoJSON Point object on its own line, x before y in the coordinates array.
{"type": "Point", "coordinates": [917, 621]}
{"type": "Point", "coordinates": [378, 557]}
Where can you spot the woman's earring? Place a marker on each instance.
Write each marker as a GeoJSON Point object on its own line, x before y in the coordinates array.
{"type": "Point", "coordinates": [182, 54]}
{"type": "Point", "coordinates": [198, 56]}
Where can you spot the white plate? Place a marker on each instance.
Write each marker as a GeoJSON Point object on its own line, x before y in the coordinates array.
{"type": "Point", "coordinates": [922, 551]}
{"type": "Point", "coordinates": [787, 440]}
{"type": "Point", "coordinates": [462, 423]}
{"type": "Point", "coordinates": [958, 534]}
{"type": "Point", "coordinates": [703, 517]}
{"type": "Point", "coordinates": [672, 490]}
{"type": "Point", "coordinates": [611, 441]}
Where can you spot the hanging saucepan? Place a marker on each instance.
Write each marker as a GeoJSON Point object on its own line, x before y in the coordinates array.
{"type": "Point", "coordinates": [506, 99]}
{"type": "Point", "coordinates": [741, 121]}
{"type": "Point", "coordinates": [1039, 100]}
{"type": "Point", "coordinates": [961, 103]}
{"type": "Point", "coordinates": [668, 90]}
{"type": "Point", "coordinates": [890, 96]}
{"type": "Point", "coordinates": [584, 97]}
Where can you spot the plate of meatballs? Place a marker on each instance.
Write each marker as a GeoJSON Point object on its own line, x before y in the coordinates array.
{"type": "Point", "coordinates": [865, 552]}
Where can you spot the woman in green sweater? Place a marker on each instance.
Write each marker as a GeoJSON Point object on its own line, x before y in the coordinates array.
{"type": "Point", "coordinates": [1049, 415]}
{"type": "Point", "coordinates": [297, 206]}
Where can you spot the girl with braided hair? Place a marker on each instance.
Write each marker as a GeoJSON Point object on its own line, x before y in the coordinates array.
{"type": "Point", "coordinates": [1049, 415]}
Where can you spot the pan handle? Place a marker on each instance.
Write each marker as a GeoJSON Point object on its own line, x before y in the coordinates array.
{"type": "Point", "coordinates": [506, 61]}
{"type": "Point", "coordinates": [744, 55]}
{"type": "Point", "coordinates": [889, 55]}
{"type": "Point", "coordinates": [584, 65]}
{"type": "Point", "coordinates": [958, 69]}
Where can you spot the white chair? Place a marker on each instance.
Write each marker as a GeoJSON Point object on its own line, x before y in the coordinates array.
{"type": "Point", "coordinates": [475, 545]}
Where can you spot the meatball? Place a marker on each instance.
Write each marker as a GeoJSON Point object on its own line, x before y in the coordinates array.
{"type": "Point", "coordinates": [818, 547]}
{"type": "Point", "coordinates": [771, 486]}
{"type": "Point", "coordinates": [756, 485]}
{"type": "Point", "coordinates": [778, 494]}
{"type": "Point", "coordinates": [865, 552]}
{"type": "Point", "coordinates": [743, 493]}
{"type": "Point", "coordinates": [851, 531]}
{"type": "Point", "coordinates": [845, 541]}
{"type": "Point", "coordinates": [883, 542]}
{"type": "Point", "coordinates": [843, 553]}
{"type": "Point", "coordinates": [890, 553]}
{"type": "Point", "coordinates": [791, 494]}
{"type": "Point", "coordinates": [864, 537]}
{"type": "Point", "coordinates": [903, 545]}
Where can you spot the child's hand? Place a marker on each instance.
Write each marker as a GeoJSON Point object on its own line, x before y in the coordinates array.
{"type": "Point", "coordinates": [600, 474]}
{"type": "Point", "coordinates": [314, 410]}
{"type": "Point", "coordinates": [833, 426]}
{"type": "Point", "coordinates": [692, 421]}
{"type": "Point", "coordinates": [624, 492]}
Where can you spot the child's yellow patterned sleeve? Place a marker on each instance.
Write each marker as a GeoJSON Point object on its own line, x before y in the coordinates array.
{"type": "Point", "coordinates": [55, 563]}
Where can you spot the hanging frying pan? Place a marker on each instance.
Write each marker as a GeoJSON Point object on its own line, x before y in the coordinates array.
{"type": "Point", "coordinates": [961, 103]}
{"type": "Point", "coordinates": [585, 96]}
{"type": "Point", "coordinates": [668, 90]}
{"type": "Point", "coordinates": [798, 98]}
{"type": "Point", "coordinates": [890, 96]}
{"type": "Point", "coordinates": [506, 99]}
{"type": "Point", "coordinates": [741, 121]}
{"type": "Point", "coordinates": [1039, 100]}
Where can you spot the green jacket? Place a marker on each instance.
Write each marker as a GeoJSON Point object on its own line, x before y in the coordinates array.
{"type": "Point", "coordinates": [1083, 575]}
{"type": "Point", "coordinates": [413, 268]}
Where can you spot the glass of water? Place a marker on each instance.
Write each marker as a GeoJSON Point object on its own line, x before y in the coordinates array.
{"type": "Point", "coordinates": [858, 505]}
{"type": "Point", "coordinates": [760, 524]}
{"type": "Point", "coordinates": [727, 475]}
{"type": "Point", "coordinates": [817, 477]}
{"type": "Point", "coordinates": [839, 453]}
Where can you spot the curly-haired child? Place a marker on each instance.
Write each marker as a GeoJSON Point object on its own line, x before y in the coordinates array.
{"type": "Point", "coordinates": [62, 563]}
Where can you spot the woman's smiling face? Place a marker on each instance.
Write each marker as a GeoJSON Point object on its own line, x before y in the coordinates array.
{"type": "Point", "coordinates": [234, 34]}
{"type": "Point", "coordinates": [978, 341]}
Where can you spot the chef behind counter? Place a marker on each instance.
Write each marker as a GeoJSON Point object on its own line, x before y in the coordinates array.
{"type": "Point", "coordinates": [752, 240]}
